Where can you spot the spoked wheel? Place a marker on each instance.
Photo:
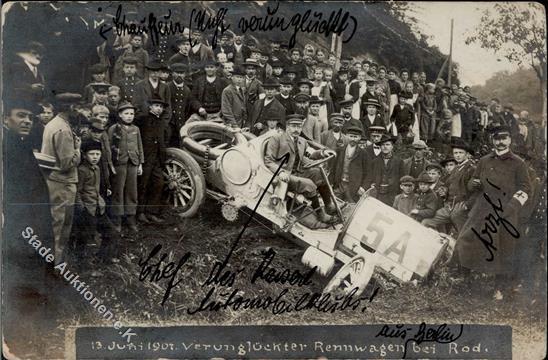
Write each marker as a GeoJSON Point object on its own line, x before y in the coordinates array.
{"type": "Point", "coordinates": [354, 274]}
{"type": "Point", "coordinates": [184, 182]}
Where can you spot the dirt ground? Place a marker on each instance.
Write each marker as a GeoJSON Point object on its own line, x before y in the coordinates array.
{"type": "Point", "coordinates": [443, 298]}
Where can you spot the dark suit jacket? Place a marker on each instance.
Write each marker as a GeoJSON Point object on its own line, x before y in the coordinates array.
{"type": "Point", "coordinates": [153, 138]}
{"type": "Point", "coordinates": [183, 104]}
{"type": "Point", "coordinates": [378, 121]}
{"type": "Point", "coordinates": [402, 117]}
{"type": "Point", "coordinates": [258, 112]}
{"type": "Point", "coordinates": [252, 91]}
{"type": "Point", "coordinates": [198, 88]}
{"type": "Point", "coordinates": [288, 104]}
{"type": "Point", "coordinates": [417, 170]}
{"type": "Point", "coordinates": [233, 106]}
{"type": "Point", "coordinates": [281, 144]}
{"type": "Point", "coordinates": [388, 174]}
{"type": "Point", "coordinates": [18, 74]}
{"type": "Point", "coordinates": [356, 171]}
{"type": "Point", "coordinates": [143, 92]}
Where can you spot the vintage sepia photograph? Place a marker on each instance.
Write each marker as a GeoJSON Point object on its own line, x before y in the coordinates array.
{"type": "Point", "coordinates": [273, 180]}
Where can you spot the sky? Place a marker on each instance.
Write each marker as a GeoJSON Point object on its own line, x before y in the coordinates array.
{"type": "Point", "coordinates": [476, 64]}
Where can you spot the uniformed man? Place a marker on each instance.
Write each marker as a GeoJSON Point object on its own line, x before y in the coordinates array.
{"type": "Point", "coordinates": [489, 246]}
{"type": "Point", "coordinates": [307, 182]}
{"type": "Point", "coordinates": [127, 82]}
{"type": "Point", "coordinates": [182, 102]}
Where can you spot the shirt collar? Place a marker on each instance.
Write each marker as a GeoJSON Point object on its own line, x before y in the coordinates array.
{"type": "Point", "coordinates": [501, 153]}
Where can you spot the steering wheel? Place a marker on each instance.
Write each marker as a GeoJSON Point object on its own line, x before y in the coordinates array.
{"type": "Point", "coordinates": [318, 162]}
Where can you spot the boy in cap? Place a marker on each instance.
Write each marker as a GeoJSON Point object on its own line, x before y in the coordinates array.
{"type": "Point", "coordinates": [151, 182]}
{"type": "Point", "coordinates": [427, 202]}
{"type": "Point", "coordinates": [403, 115]}
{"type": "Point", "coordinates": [386, 171]}
{"type": "Point", "coordinates": [269, 104]}
{"type": "Point", "coordinates": [405, 201]}
{"type": "Point", "coordinates": [272, 123]}
{"type": "Point", "coordinates": [127, 80]}
{"type": "Point", "coordinates": [307, 182]}
{"type": "Point", "coordinates": [91, 215]}
{"type": "Point", "coordinates": [135, 51]}
{"type": "Point", "coordinates": [435, 172]}
{"type": "Point", "coordinates": [128, 158]}
{"type": "Point", "coordinates": [350, 168]}
{"type": "Point", "coordinates": [98, 76]}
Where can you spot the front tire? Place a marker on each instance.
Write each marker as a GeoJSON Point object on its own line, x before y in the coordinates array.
{"type": "Point", "coordinates": [185, 182]}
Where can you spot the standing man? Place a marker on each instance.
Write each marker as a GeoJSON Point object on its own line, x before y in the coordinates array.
{"type": "Point", "coordinates": [416, 164]}
{"type": "Point", "coordinates": [268, 105]}
{"type": "Point", "coordinates": [490, 246]}
{"type": "Point", "coordinates": [346, 110]}
{"type": "Point", "coordinates": [386, 172]}
{"type": "Point", "coordinates": [150, 87]}
{"type": "Point", "coordinates": [60, 142]}
{"type": "Point", "coordinates": [312, 124]}
{"type": "Point", "coordinates": [284, 97]}
{"type": "Point", "coordinates": [459, 199]}
{"type": "Point", "coordinates": [207, 90]}
{"type": "Point", "coordinates": [233, 104]}
{"type": "Point", "coordinates": [371, 116]}
{"type": "Point", "coordinates": [350, 168]}
{"type": "Point", "coordinates": [253, 87]}
{"type": "Point", "coordinates": [182, 102]}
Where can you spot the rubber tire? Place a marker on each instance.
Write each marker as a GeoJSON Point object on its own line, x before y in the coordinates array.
{"type": "Point", "coordinates": [198, 178]}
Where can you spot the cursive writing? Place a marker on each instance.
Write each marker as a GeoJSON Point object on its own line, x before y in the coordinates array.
{"type": "Point", "coordinates": [308, 22]}
{"type": "Point", "coordinates": [492, 223]}
{"type": "Point", "coordinates": [271, 275]}
{"type": "Point", "coordinates": [157, 272]}
{"type": "Point", "coordinates": [442, 334]}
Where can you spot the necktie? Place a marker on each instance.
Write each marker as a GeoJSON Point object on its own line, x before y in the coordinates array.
{"type": "Point", "coordinates": [35, 71]}
{"type": "Point", "coordinates": [241, 91]}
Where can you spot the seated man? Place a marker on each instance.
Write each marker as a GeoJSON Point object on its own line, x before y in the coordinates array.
{"type": "Point", "coordinates": [307, 182]}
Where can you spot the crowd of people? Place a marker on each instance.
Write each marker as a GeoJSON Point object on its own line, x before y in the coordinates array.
{"type": "Point", "coordinates": [102, 150]}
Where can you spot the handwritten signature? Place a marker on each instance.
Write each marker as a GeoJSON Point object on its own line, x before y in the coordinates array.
{"type": "Point", "coordinates": [442, 334]}
{"type": "Point", "coordinates": [492, 223]}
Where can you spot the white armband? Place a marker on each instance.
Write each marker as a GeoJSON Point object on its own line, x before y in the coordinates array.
{"type": "Point", "coordinates": [521, 196]}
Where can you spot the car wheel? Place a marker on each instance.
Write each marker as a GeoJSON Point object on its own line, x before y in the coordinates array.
{"type": "Point", "coordinates": [184, 181]}
{"type": "Point", "coordinates": [354, 274]}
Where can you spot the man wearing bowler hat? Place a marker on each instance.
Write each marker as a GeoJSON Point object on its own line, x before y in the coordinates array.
{"type": "Point", "coordinates": [151, 87]}
{"type": "Point", "coordinates": [59, 140]}
{"type": "Point", "coordinates": [503, 179]}
{"type": "Point", "coordinates": [151, 182]}
{"type": "Point", "coordinates": [308, 182]}
{"type": "Point", "coordinates": [233, 104]}
{"type": "Point", "coordinates": [385, 172]}
{"type": "Point", "coordinates": [371, 116]}
{"type": "Point", "coordinates": [208, 88]}
{"type": "Point", "coordinates": [267, 105]}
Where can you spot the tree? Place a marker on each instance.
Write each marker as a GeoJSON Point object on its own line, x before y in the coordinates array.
{"type": "Point", "coordinates": [517, 31]}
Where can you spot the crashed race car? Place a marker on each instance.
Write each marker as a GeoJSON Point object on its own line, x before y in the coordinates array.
{"type": "Point", "coordinates": [227, 164]}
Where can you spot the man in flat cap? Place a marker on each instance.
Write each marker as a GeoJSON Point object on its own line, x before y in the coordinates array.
{"type": "Point", "coordinates": [253, 87]}
{"type": "Point", "coordinates": [151, 87]}
{"type": "Point", "coordinates": [233, 104]}
{"type": "Point", "coordinates": [417, 163]}
{"type": "Point", "coordinates": [208, 88]}
{"type": "Point", "coordinates": [59, 140]}
{"type": "Point", "coordinates": [267, 105]}
{"type": "Point", "coordinates": [128, 79]}
{"type": "Point", "coordinates": [491, 246]}
{"type": "Point", "coordinates": [350, 168]}
{"type": "Point", "coordinates": [308, 182]}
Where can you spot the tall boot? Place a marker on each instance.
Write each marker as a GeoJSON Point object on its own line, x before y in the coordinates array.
{"type": "Point", "coordinates": [320, 211]}
{"type": "Point", "coordinates": [327, 200]}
